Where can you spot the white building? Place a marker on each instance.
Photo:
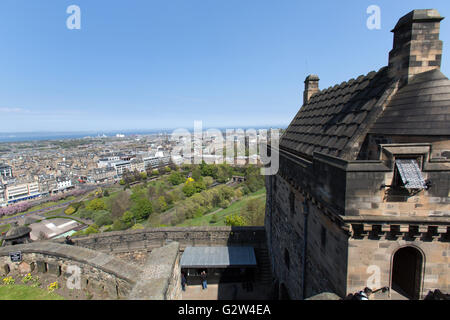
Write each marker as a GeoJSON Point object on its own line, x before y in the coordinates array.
{"type": "Point", "coordinates": [6, 171]}
{"type": "Point", "coordinates": [156, 161]}
{"type": "Point", "coordinates": [121, 166]}
{"type": "Point", "coordinates": [137, 165]}
{"type": "Point", "coordinates": [23, 191]}
{"type": "Point", "coordinates": [106, 161]}
{"type": "Point", "coordinates": [3, 201]}
{"type": "Point", "coordinates": [63, 183]}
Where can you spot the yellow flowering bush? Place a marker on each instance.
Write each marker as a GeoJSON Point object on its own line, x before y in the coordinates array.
{"type": "Point", "coordinates": [9, 280]}
{"type": "Point", "coordinates": [189, 180]}
{"type": "Point", "coordinates": [70, 210]}
{"type": "Point", "coordinates": [27, 278]}
{"type": "Point", "coordinates": [53, 286]}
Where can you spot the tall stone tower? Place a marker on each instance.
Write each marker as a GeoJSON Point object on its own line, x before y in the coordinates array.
{"type": "Point", "coordinates": [361, 198]}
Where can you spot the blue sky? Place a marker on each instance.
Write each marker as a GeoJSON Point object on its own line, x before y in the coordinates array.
{"type": "Point", "coordinates": [144, 64]}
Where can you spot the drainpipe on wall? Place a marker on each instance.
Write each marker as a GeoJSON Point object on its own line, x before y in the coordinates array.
{"type": "Point", "coordinates": [271, 207]}
{"type": "Point", "coordinates": [305, 245]}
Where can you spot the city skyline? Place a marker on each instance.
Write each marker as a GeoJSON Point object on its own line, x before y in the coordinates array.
{"type": "Point", "coordinates": [141, 66]}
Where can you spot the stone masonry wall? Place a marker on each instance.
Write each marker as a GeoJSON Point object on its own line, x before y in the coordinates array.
{"type": "Point", "coordinates": [99, 272]}
{"type": "Point", "coordinates": [365, 195]}
{"type": "Point", "coordinates": [148, 239]}
{"type": "Point", "coordinates": [366, 256]}
{"type": "Point", "coordinates": [161, 277]}
{"type": "Point", "coordinates": [326, 258]}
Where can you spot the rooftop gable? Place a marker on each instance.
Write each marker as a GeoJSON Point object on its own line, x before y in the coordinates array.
{"type": "Point", "coordinates": [334, 117]}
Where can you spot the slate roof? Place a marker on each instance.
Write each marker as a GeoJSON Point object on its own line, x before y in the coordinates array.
{"type": "Point", "coordinates": [330, 120]}
{"type": "Point", "coordinates": [219, 257]}
{"type": "Point", "coordinates": [422, 107]}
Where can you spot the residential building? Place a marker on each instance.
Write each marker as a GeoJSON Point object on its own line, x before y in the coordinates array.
{"type": "Point", "coordinates": [6, 171]}
{"type": "Point", "coordinates": [21, 191]}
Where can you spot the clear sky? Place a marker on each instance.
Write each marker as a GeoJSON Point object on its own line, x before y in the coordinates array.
{"type": "Point", "coordinates": [147, 64]}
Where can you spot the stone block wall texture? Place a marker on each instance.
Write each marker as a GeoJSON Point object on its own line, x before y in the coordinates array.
{"type": "Point", "coordinates": [367, 257]}
{"type": "Point", "coordinates": [440, 145]}
{"type": "Point", "coordinates": [148, 239]}
{"type": "Point", "coordinates": [160, 279]}
{"type": "Point", "coordinates": [326, 255]}
{"type": "Point", "coordinates": [99, 272]}
{"type": "Point", "coordinates": [336, 191]}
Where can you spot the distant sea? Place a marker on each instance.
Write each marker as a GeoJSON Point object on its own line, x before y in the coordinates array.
{"type": "Point", "coordinates": [41, 136]}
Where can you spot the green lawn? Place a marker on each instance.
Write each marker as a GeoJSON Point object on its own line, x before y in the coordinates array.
{"type": "Point", "coordinates": [235, 207]}
{"type": "Point", "coordinates": [5, 228]}
{"type": "Point", "coordinates": [41, 206]}
{"type": "Point", "coordinates": [22, 292]}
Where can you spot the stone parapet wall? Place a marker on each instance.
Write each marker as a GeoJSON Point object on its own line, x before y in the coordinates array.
{"type": "Point", "coordinates": [160, 279]}
{"type": "Point", "coordinates": [99, 272]}
{"type": "Point", "coordinates": [152, 238]}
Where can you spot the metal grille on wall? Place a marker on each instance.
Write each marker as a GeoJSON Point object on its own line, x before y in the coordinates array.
{"type": "Point", "coordinates": [410, 173]}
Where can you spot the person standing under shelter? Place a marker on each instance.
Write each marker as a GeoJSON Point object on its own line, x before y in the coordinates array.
{"type": "Point", "coordinates": [204, 276]}
{"type": "Point", "coordinates": [183, 281]}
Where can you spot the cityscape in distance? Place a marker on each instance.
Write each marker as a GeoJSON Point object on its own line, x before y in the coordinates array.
{"type": "Point", "coordinates": [280, 151]}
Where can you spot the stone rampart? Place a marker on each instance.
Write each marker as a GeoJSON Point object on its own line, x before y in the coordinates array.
{"type": "Point", "coordinates": [152, 238]}
{"type": "Point", "coordinates": [96, 272]}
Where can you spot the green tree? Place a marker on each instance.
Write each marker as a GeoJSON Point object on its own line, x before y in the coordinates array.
{"type": "Point", "coordinates": [208, 169]}
{"type": "Point", "coordinates": [254, 212]}
{"type": "Point", "coordinates": [224, 173]}
{"type": "Point", "coordinates": [119, 225]}
{"type": "Point", "coordinates": [128, 217]}
{"type": "Point", "coordinates": [120, 203]}
{"type": "Point", "coordinates": [197, 174]}
{"type": "Point", "coordinates": [142, 209]}
{"type": "Point", "coordinates": [176, 178]}
{"type": "Point", "coordinates": [199, 186]}
{"type": "Point", "coordinates": [143, 175]}
{"type": "Point", "coordinates": [96, 204]}
{"type": "Point", "coordinates": [253, 178]}
{"type": "Point", "coordinates": [208, 181]}
{"type": "Point", "coordinates": [93, 228]}
{"type": "Point", "coordinates": [189, 189]}
{"type": "Point", "coordinates": [103, 220]}
{"type": "Point", "coordinates": [162, 204]}
{"type": "Point", "coordinates": [214, 219]}
{"type": "Point", "coordinates": [235, 220]}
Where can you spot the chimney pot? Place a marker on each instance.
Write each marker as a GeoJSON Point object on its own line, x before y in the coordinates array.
{"type": "Point", "coordinates": [311, 87]}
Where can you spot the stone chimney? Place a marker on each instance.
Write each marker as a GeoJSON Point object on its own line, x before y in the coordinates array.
{"type": "Point", "coordinates": [417, 47]}
{"type": "Point", "coordinates": [311, 87]}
